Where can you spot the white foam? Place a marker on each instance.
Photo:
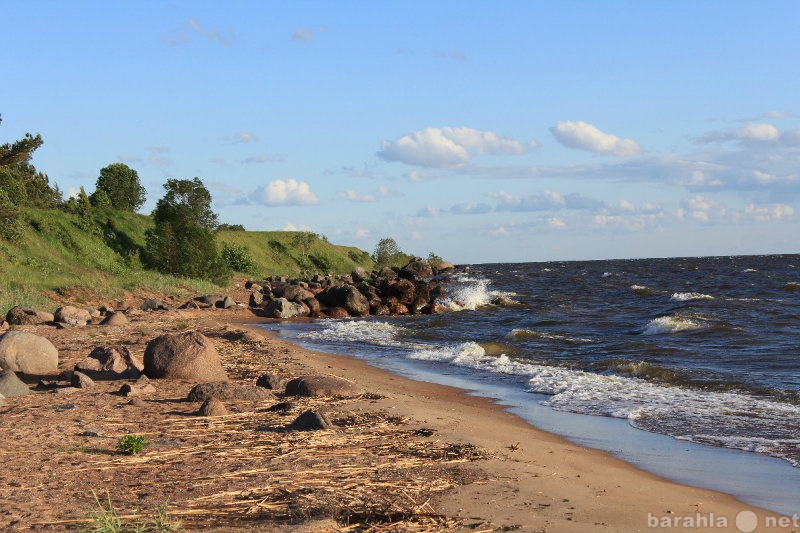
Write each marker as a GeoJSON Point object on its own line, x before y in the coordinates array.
{"type": "Point", "coordinates": [671, 324]}
{"type": "Point", "coordinates": [537, 334]}
{"type": "Point", "coordinates": [687, 296]}
{"type": "Point", "coordinates": [369, 331]}
{"type": "Point", "coordinates": [469, 295]}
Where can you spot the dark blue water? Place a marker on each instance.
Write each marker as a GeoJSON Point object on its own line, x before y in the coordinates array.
{"type": "Point", "coordinates": [698, 349]}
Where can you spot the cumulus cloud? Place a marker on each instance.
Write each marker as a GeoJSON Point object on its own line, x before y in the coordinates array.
{"type": "Point", "coordinates": [584, 136]}
{"type": "Point", "coordinates": [428, 212]}
{"type": "Point", "coordinates": [470, 209]}
{"type": "Point", "coordinates": [556, 223]}
{"type": "Point", "coordinates": [291, 227]}
{"type": "Point", "coordinates": [769, 213]}
{"type": "Point", "coordinates": [544, 201]}
{"type": "Point", "coordinates": [449, 147]}
{"type": "Point", "coordinates": [380, 192]}
{"type": "Point", "coordinates": [701, 209]}
{"type": "Point", "coordinates": [288, 192]}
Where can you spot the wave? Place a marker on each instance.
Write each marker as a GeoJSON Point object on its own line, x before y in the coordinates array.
{"type": "Point", "coordinates": [470, 294]}
{"type": "Point", "coordinates": [672, 324]}
{"type": "Point", "coordinates": [688, 296]}
{"type": "Point", "coordinates": [792, 286]}
{"type": "Point", "coordinates": [537, 334]}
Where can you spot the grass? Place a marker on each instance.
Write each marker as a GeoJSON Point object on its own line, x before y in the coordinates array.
{"type": "Point", "coordinates": [105, 519]}
{"type": "Point", "coordinates": [63, 258]}
{"type": "Point", "coordinates": [131, 444]}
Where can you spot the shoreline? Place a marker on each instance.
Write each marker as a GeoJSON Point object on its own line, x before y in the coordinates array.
{"type": "Point", "coordinates": [542, 480]}
{"type": "Point", "coordinates": [441, 458]}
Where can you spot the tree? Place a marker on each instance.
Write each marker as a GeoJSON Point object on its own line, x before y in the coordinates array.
{"type": "Point", "coordinates": [20, 151]}
{"type": "Point", "coordinates": [20, 181]}
{"type": "Point", "coordinates": [121, 184]}
{"type": "Point", "coordinates": [183, 242]}
{"type": "Point", "coordinates": [386, 252]}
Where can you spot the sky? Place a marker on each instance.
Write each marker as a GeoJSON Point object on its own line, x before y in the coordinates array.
{"type": "Point", "coordinates": [481, 131]}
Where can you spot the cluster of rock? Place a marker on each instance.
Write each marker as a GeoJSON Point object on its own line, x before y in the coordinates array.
{"type": "Point", "coordinates": [188, 356]}
{"type": "Point", "coordinates": [413, 289]}
{"type": "Point", "coordinates": [64, 316]}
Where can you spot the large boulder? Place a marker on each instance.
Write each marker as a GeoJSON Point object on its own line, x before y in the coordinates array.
{"type": "Point", "coordinates": [283, 308]}
{"type": "Point", "coordinates": [212, 407]}
{"type": "Point", "coordinates": [115, 318]}
{"type": "Point", "coordinates": [417, 269]}
{"type": "Point", "coordinates": [11, 385]}
{"type": "Point", "coordinates": [73, 316]}
{"type": "Point", "coordinates": [318, 385]}
{"type": "Point", "coordinates": [188, 355]}
{"type": "Point", "coordinates": [348, 297]}
{"type": "Point", "coordinates": [311, 421]}
{"type": "Point", "coordinates": [112, 362]}
{"type": "Point", "coordinates": [405, 291]}
{"type": "Point", "coordinates": [22, 316]}
{"type": "Point", "coordinates": [27, 353]}
{"type": "Point", "coordinates": [228, 391]}
{"type": "Point", "coordinates": [360, 274]}
{"type": "Point", "coordinates": [295, 293]}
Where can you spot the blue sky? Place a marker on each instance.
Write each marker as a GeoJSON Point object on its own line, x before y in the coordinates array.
{"type": "Point", "coordinates": [481, 131]}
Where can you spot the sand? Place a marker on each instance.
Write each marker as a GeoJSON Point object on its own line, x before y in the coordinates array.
{"type": "Point", "coordinates": [408, 456]}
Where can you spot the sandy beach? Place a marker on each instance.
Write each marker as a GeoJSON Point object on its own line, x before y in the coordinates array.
{"type": "Point", "coordinates": [405, 456]}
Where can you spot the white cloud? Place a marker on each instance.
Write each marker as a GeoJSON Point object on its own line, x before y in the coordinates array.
{"type": "Point", "coordinates": [289, 192]}
{"type": "Point", "coordinates": [556, 223]}
{"type": "Point", "coordinates": [243, 137]}
{"type": "Point", "coordinates": [769, 213]}
{"type": "Point", "coordinates": [758, 132]}
{"type": "Point", "coordinates": [291, 227]}
{"type": "Point", "coordinates": [381, 192]}
{"type": "Point", "coordinates": [470, 209]}
{"type": "Point", "coordinates": [499, 232]}
{"type": "Point", "coordinates": [585, 136]}
{"type": "Point", "coordinates": [701, 209]}
{"type": "Point", "coordinates": [449, 147]}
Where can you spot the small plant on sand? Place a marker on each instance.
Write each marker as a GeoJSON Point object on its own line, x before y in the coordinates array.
{"type": "Point", "coordinates": [131, 444]}
{"type": "Point", "coordinates": [105, 519]}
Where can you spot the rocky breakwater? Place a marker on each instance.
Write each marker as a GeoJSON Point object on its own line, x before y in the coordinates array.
{"type": "Point", "coordinates": [413, 289]}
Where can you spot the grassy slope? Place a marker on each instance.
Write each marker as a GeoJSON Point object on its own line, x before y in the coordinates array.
{"type": "Point", "coordinates": [64, 258]}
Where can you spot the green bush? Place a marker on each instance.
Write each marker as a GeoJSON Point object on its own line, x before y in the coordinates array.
{"type": "Point", "coordinates": [131, 444]}
{"type": "Point", "coordinates": [237, 257]}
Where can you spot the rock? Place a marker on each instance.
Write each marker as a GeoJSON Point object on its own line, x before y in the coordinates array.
{"type": "Point", "coordinates": [317, 385]}
{"type": "Point", "coordinates": [294, 293]}
{"type": "Point", "coordinates": [313, 305]}
{"type": "Point", "coordinates": [137, 389]}
{"type": "Point", "coordinates": [11, 385]}
{"type": "Point", "coordinates": [27, 353]}
{"type": "Point", "coordinates": [111, 363]}
{"type": "Point", "coordinates": [72, 316]}
{"type": "Point", "coordinates": [153, 305]}
{"type": "Point", "coordinates": [417, 269]}
{"type": "Point", "coordinates": [405, 291]}
{"type": "Point", "coordinates": [114, 319]}
{"type": "Point", "coordinates": [228, 391]}
{"type": "Point", "coordinates": [336, 312]}
{"type": "Point", "coordinates": [271, 381]}
{"type": "Point", "coordinates": [281, 407]}
{"type": "Point", "coordinates": [256, 299]}
{"type": "Point", "coordinates": [443, 267]}
{"type": "Point", "coordinates": [311, 421]}
{"type": "Point", "coordinates": [81, 380]}
{"type": "Point", "coordinates": [212, 407]}
{"type": "Point", "coordinates": [387, 273]}
{"type": "Point", "coordinates": [346, 296]}
{"type": "Point", "coordinates": [188, 355]}
{"type": "Point", "coordinates": [360, 274]}
{"type": "Point", "coordinates": [228, 302]}
{"type": "Point", "coordinates": [283, 308]}
{"type": "Point", "coordinates": [136, 402]}
{"type": "Point", "coordinates": [22, 316]}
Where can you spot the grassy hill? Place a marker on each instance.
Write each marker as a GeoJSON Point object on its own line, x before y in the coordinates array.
{"type": "Point", "coordinates": [66, 257]}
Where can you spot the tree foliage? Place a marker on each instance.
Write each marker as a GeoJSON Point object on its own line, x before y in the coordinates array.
{"type": "Point", "coordinates": [20, 181]}
{"type": "Point", "coordinates": [19, 151]}
{"type": "Point", "coordinates": [121, 184]}
{"type": "Point", "coordinates": [183, 242]}
{"type": "Point", "coordinates": [387, 252]}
